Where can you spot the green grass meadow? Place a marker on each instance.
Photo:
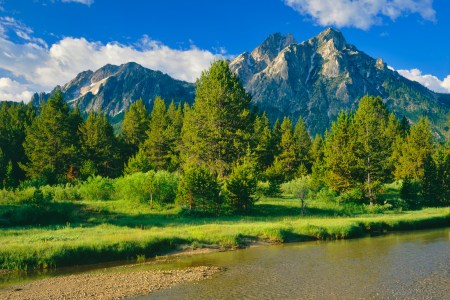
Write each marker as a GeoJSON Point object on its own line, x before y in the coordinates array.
{"type": "Point", "coordinates": [113, 230]}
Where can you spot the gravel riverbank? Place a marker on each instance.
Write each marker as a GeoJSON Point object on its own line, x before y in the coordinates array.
{"type": "Point", "coordinates": [106, 286]}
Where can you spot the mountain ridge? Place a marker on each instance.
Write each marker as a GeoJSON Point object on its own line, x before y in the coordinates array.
{"type": "Point", "coordinates": [314, 79]}
{"type": "Point", "coordinates": [112, 89]}
{"type": "Point", "coordinates": [317, 78]}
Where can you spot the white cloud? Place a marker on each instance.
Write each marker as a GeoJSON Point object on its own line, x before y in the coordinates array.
{"type": "Point", "coordinates": [360, 13]}
{"type": "Point", "coordinates": [44, 67]}
{"type": "Point", "coordinates": [10, 25]}
{"type": "Point", "coordinates": [430, 81]}
{"type": "Point", "coordinates": [13, 90]}
{"type": "Point", "coordinates": [85, 2]}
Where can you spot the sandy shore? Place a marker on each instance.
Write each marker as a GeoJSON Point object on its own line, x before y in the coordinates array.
{"type": "Point", "coordinates": [105, 286]}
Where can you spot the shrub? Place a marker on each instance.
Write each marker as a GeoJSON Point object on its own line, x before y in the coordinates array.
{"type": "Point", "coordinates": [97, 188]}
{"type": "Point", "coordinates": [66, 192]}
{"type": "Point", "coordinates": [136, 187]}
{"type": "Point", "coordinates": [164, 187]}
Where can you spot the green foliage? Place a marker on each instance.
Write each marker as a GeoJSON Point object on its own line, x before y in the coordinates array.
{"type": "Point", "coordinates": [165, 186]}
{"type": "Point", "coordinates": [411, 154]}
{"type": "Point", "coordinates": [135, 125]}
{"type": "Point", "coordinates": [97, 188]}
{"type": "Point", "coordinates": [240, 187]}
{"type": "Point", "coordinates": [303, 145]}
{"type": "Point", "coordinates": [339, 154]}
{"type": "Point", "coordinates": [409, 193]}
{"type": "Point", "coordinates": [288, 156]}
{"type": "Point", "coordinates": [138, 163]}
{"type": "Point", "coordinates": [262, 141]}
{"type": "Point", "coordinates": [50, 142]}
{"type": "Point", "coordinates": [156, 147]}
{"type": "Point", "coordinates": [430, 183]}
{"type": "Point", "coordinates": [14, 118]}
{"type": "Point", "coordinates": [67, 192]}
{"type": "Point", "coordinates": [217, 130]}
{"type": "Point", "coordinates": [372, 145]}
{"type": "Point", "coordinates": [100, 146]}
{"type": "Point", "coordinates": [199, 190]}
{"type": "Point", "coordinates": [135, 187]}
{"type": "Point", "coordinates": [276, 176]}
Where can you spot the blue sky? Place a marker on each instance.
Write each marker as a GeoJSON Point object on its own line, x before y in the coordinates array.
{"type": "Point", "coordinates": [47, 42]}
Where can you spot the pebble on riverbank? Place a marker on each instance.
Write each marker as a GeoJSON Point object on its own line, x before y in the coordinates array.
{"type": "Point", "coordinates": [106, 286]}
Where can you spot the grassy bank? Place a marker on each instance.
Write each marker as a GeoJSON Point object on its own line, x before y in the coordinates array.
{"type": "Point", "coordinates": [116, 230]}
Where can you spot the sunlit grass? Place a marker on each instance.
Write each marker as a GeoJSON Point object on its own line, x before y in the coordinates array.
{"type": "Point", "coordinates": [120, 229]}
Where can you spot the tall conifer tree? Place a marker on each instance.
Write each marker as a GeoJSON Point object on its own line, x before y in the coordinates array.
{"type": "Point", "coordinates": [49, 143]}
{"type": "Point", "coordinates": [218, 129]}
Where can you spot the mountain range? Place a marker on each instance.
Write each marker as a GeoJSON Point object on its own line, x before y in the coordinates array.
{"type": "Point", "coordinates": [314, 79]}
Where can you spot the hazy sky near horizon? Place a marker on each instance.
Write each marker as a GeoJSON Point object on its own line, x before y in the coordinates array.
{"type": "Point", "coordinates": [44, 43]}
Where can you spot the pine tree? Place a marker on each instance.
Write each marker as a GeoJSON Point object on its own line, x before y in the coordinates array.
{"type": "Point", "coordinates": [316, 150]}
{"type": "Point", "coordinates": [276, 138]}
{"type": "Point", "coordinates": [156, 146]}
{"type": "Point", "coordinates": [288, 156]}
{"type": "Point", "coordinates": [430, 182]}
{"type": "Point", "coordinates": [413, 152]}
{"type": "Point", "coordinates": [2, 169]}
{"type": "Point", "coordinates": [172, 135]}
{"type": "Point", "coordinates": [199, 190]}
{"type": "Point", "coordinates": [135, 125]}
{"type": "Point", "coordinates": [372, 146]}
{"type": "Point", "coordinates": [240, 187]}
{"type": "Point", "coordinates": [138, 163]}
{"type": "Point", "coordinates": [217, 131]}
{"type": "Point", "coordinates": [100, 146]}
{"type": "Point", "coordinates": [14, 118]}
{"type": "Point", "coordinates": [262, 141]}
{"type": "Point", "coordinates": [339, 154]}
{"type": "Point", "coordinates": [404, 127]}
{"type": "Point", "coordinates": [49, 142]}
{"type": "Point", "coordinates": [302, 144]}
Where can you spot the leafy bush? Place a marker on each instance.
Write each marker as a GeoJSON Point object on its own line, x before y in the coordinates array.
{"type": "Point", "coordinates": [136, 187]}
{"type": "Point", "coordinates": [165, 185]}
{"type": "Point", "coordinates": [66, 192]}
{"type": "Point", "coordinates": [97, 188]}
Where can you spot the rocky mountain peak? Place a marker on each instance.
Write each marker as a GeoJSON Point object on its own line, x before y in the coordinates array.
{"type": "Point", "coordinates": [335, 36]}
{"type": "Point", "coordinates": [271, 46]}
{"type": "Point", "coordinates": [323, 75]}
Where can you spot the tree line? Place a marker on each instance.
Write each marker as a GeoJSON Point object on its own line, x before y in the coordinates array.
{"type": "Point", "coordinates": [222, 147]}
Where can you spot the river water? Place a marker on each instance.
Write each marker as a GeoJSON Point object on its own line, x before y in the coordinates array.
{"type": "Point", "coordinates": [408, 265]}
{"type": "Point", "coordinates": [412, 265]}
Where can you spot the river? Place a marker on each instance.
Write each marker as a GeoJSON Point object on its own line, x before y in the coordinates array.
{"type": "Point", "coordinates": [409, 265]}
{"type": "Point", "coordinates": [405, 265]}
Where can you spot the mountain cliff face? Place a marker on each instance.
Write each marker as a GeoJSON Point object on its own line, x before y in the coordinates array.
{"type": "Point", "coordinates": [112, 89]}
{"type": "Point", "coordinates": [319, 77]}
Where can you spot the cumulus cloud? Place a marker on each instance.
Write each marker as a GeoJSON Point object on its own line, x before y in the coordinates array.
{"type": "Point", "coordinates": [85, 2]}
{"type": "Point", "coordinates": [66, 58]}
{"type": "Point", "coordinates": [430, 81]}
{"type": "Point", "coordinates": [43, 67]}
{"type": "Point", "coordinates": [360, 13]}
{"type": "Point", "coordinates": [13, 90]}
